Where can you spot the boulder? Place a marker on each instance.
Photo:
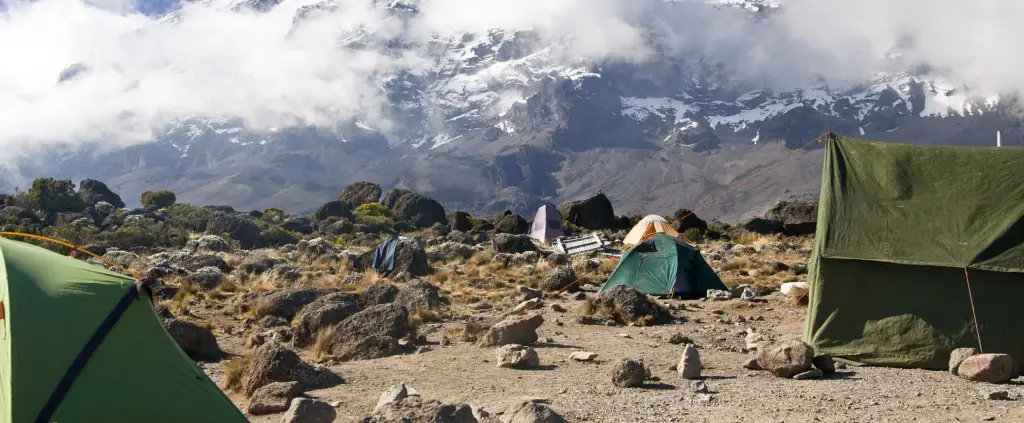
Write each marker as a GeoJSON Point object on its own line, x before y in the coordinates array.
{"type": "Point", "coordinates": [371, 333]}
{"type": "Point", "coordinates": [418, 295]}
{"type": "Point", "coordinates": [414, 208]}
{"type": "Point", "coordinates": [515, 356]}
{"type": "Point", "coordinates": [795, 217]}
{"type": "Point", "coordinates": [337, 208]}
{"type": "Point", "coordinates": [305, 410]}
{"type": "Point", "coordinates": [441, 229]}
{"type": "Point", "coordinates": [210, 243]}
{"type": "Point", "coordinates": [460, 221]}
{"type": "Point", "coordinates": [395, 394]}
{"type": "Point", "coordinates": [531, 412]}
{"type": "Point", "coordinates": [450, 251]}
{"type": "Point", "coordinates": [512, 244]}
{"type": "Point", "coordinates": [593, 213]}
{"type": "Point", "coordinates": [273, 398]}
{"type": "Point", "coordinates": [958, 356]}
{"type": "Point", "coordinates": [316, 247]}
{"type": "Point", "coordinates": [686, 220]}
{"type": "Point", "coordinates": [689, 366]}
{"type": "Point", "coordinates": [786, 358]}
{"type": "Point", "coordinates": [323, 313]}
{"type": "Point", "coordinates": [825, 363]}
{"type": "Point", "coordinates": [510, 223]}
{"type": "Point", "coordinates": [258, 263]}
{"type": "Point", "coordinates": [272, 362]}
{"type": "Point", "coordinates": [91, 191]}
{"type": "Point", "coordinates": [760, 225]}
{"type": "Point", "coordinates": [626, 306]}
{"type": "Point", "coordinates": [520, 330]}
{"type": "Point", "coordinates": [560, 279]}
{"type": "Point", "coordinates": [991, 368]}
{"type": "Point", "coordinates": [299, 225]}
{"type": "Point", "coordinates": [379, 293]}
{"type": "Point", "coordinates": [410, 257]}
{"type": "Point", "coordinates": [360, 193]}
{"type": "Point", "coordinates": [198, 342]}
{"type": "Point", "coordinates": [339, 228]}
{"type": "Point", "coordinates": [629, 373]}
{"type": "Point", "coordinates": [18, 213]}
{"type": "Point", "coordinates": [205, 278]}
{"type": "Point", "coordinates": [193, 263]}
{"type": "Point", "coordinates": [240, 229]}
{"type": "Point", "coordinates": [122, 258]}
{"type": "Point", "coordinates": [288, 302]}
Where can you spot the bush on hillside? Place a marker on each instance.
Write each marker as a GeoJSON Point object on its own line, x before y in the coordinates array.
{"type": "Point", "coordinates": [53, 195]}
{"type": "Point", "coordinates": [74, 235]}
{"type": "Point", "coordinates": [273, 215]}
{"type": "Point", "coordinates": [188, 216]}
{"type": "Point", "coordinates": [277, 236]}
{"type": "Point", "coordinates": [158, 199]}
{"type": "Point", "coordinates": [692, 235]}
{"type": "Point", "coordinates": [374, 215]}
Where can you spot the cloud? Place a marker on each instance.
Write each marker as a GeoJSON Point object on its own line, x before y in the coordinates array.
{"type": "Point", "coordinates": [138, 72]}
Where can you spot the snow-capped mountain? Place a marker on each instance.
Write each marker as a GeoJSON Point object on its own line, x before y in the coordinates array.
{"type": "Point", "coordinates": [506, 118]}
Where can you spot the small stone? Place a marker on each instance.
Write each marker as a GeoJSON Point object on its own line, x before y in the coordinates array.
{"type": "Point", "coordinates": [698, 386]}
{"type": "Point", "coordinates": [751, 364]}
{"type": "Point", "coordinates": [623, 335]}
{"type": "Point", "coordinates": [629, 373]}
{"type": "Point", "coordinates": [810, 374]}
{"type": "Point", "coordinates": [958, 356]}
{"type": "Point", "coordinates": [583, 356]}
{"type": "Point", "coordinates": [991, 368]}
{"type": "Point", "coordinates": [825, 363]}
{"type": "Point", "coordinates": [527, 305]}
{"type": "Point", "coordinates": [718, 295]}
{"type": "Point", "coordinates": [517, 357]}
{"type": "Point", "coordinates": [557, 308]}
{"type": "Point", "coordinates": [679, 339]}
{"type": "Point", "coordinates": [305, 410]}
{"type": "Point", "coordinates": [394, 394]}
{"type": "Point", "coordinates": [996, 395]}
{"type": "Point", "coordinates": [689, 366]}
{"type": "Point", "coordinates": [273, 398]}
{"type": "Point", "coordinates": [988, 419]}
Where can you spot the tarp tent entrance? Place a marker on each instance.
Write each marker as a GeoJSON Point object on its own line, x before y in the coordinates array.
{"type": "Point", "coordinates": [647, 227]}
{"type": "Point", "coordinates": [82, 344]}
{"type": "Point", "coordinates": [547, 224]}
{"type": "Point", "coordinates": [898, 226]}
{"type": "Point", "coordinates": [665, 265]}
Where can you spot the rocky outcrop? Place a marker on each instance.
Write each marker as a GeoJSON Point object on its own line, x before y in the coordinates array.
{"type": "Point", "coordinates": [512, 244]}
{"type": "Point", "coordinates": [338, 209]}
{"type": "Point", "coordinates": [760, 225]}
{"type": "Point", "coordinates": [323, 313]}
{"type": "Point", "coordinates": [361, 193]}
{"type": "Point", "coordinates": [287, 303]}
{"type": "Point", "coordinates": [272, 362]}
{"type": "Point", "coordinates": [624, 305]}
{"type": "Point", "coordinates": [198, 342]}
{"type": "Point", "coordinates": [460, 221]}
{"type": "Point", "coordinates": [593, 213]}
{"type": "Point", "coordinates": [685, 220]}
{"type": "Point", "coordinates": [371, 333]}
{"type": "Point", "coordinates": [240, 229]}
{"type": "Point", "coordinates": [510, 223]}
{"type": "Point", "coordinates": [795, 217]}
{"type": "Point", "coordinates": [414, 208]}
{"type": "Point", "coordinates": [92, 191]}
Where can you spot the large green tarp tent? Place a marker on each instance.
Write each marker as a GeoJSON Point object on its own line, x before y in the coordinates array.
{"type": "Point", "coordinates": [900, 230]}
{"type": "Point", "coordinates": [81, 344]}
{"type": "Point", "coordinates": [664, 265]}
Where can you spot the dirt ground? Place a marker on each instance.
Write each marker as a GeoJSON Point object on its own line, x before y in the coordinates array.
{"type": "Point", "coordinates": [583, 392]}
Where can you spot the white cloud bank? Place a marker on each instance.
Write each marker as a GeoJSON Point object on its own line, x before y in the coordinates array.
{"type": "Point", "coordinates": [215, 61]}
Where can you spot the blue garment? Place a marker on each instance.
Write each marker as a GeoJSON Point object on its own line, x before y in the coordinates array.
{"type": "Point", "coordinates": [384, 255]}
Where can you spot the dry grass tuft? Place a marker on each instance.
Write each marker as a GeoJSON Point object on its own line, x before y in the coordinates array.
{"type": "Point", "coordinates": [233, 372]}
{"type": "Point", "coordinates": [322, 346]}
{"type": "Point", "coordinates": [736, 263]}
{"type": "Point", "coordinates": [798, 296]}
{"type": "Point", "coordinates": [480, 258]}
{"type": "Point", "coordinates": [607, 266]}
{"type": "Point", "coordinates": [745, 237]}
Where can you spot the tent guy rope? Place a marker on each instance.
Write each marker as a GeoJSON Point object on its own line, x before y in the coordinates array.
{"type": "Point", "coordinates": [970, 294]}
{"type": "Point", "coordinates": [73, 249]}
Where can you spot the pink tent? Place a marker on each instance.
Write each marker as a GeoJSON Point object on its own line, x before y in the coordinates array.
{"type": "Point", "coordinates": [547, 224]}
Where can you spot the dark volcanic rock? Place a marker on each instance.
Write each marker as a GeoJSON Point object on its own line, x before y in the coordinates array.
{"type": "Point", "coordinates": [326, 311]}
{"type": "Point", "coordinates": [761, 225]}
{"type": "Point", "coordinates": [686, 220]}
{"type": "Point", "coordinates": [508, 243]}
{"type": "Point", "coordinates": [337, 208]}
{"type": "Point", "coordinates": [198, 342]}
{"type": "Point", "coordinates": [371, 333]}
{"type": "Point", "coordinates": [509, 223]}
{"type": "Point", "coordinates": [593, 213]}
{"type": "Point", "coordinates": [287, 303]}
{"type": "Point", "coordinates": [414, 208]}
{"type": "Point", "coordinates": [625, 306]}
{"type": "Point", "coordinates": [796, 217]}
{"type": "Point", "coordinates": [360, 193]}
{"type": "Point", "coordinates": [460, 221]}
{"type": "Point", "coordinates": [92, 191]}
{"type": "Point", "coordinates": [242, 230]}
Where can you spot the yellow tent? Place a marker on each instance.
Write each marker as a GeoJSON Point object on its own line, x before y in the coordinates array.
{"type": "Point", "coordinates": [647, 227]}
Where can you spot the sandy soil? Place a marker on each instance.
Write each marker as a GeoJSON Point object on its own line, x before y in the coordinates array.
{"type": "Point", "coordinates": [582, 392]}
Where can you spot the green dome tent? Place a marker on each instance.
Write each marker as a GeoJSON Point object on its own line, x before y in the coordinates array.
{"type": "Point", "coordinates": [81, 344]}
{"type": "Point", "coordinates": [664, 265]}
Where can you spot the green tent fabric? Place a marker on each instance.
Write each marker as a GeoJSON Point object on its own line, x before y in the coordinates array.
{"type": "Point", "coordinates": [664, 265]}
{"type": "Point", "coordinates": [52, 306]}
{"type": "Point", "coordinates": [898, 227]}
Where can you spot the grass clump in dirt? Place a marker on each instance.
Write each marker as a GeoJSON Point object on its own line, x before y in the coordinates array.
{"type": "Point", "coordinates": [233, 372]}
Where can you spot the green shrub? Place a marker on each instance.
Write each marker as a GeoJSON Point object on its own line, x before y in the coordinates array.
{"type": "Point", "coordinates": [159, 199]}
{"type": "Point", "coordinates": [693, 235]}
{"type": "Point", "coordinates": [72, 235]}
{"type": "Point", "coordinates": [374, 215]}
{"type": "Point", "coordinates": [187, 216]}
{"type": "Point", "coordinates": [53, 195]}
{"type": "Point", "coordinates": [273, 215]}
{"type": "Point", "coordinates": [276, 236]}
{"type": "Point", "coordinates": [129, 237]}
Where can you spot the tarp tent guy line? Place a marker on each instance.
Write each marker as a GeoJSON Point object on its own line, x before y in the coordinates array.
{"type": "Point", "coordinates": [970, 294]}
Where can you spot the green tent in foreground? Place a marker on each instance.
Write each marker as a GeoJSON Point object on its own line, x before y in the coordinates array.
{"type": "Point", "coordinates": [664, 265]}
{"type": "Point", "coordinates": [81, 344]}
{"type": "Point", "coordinates": [898, 225]}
